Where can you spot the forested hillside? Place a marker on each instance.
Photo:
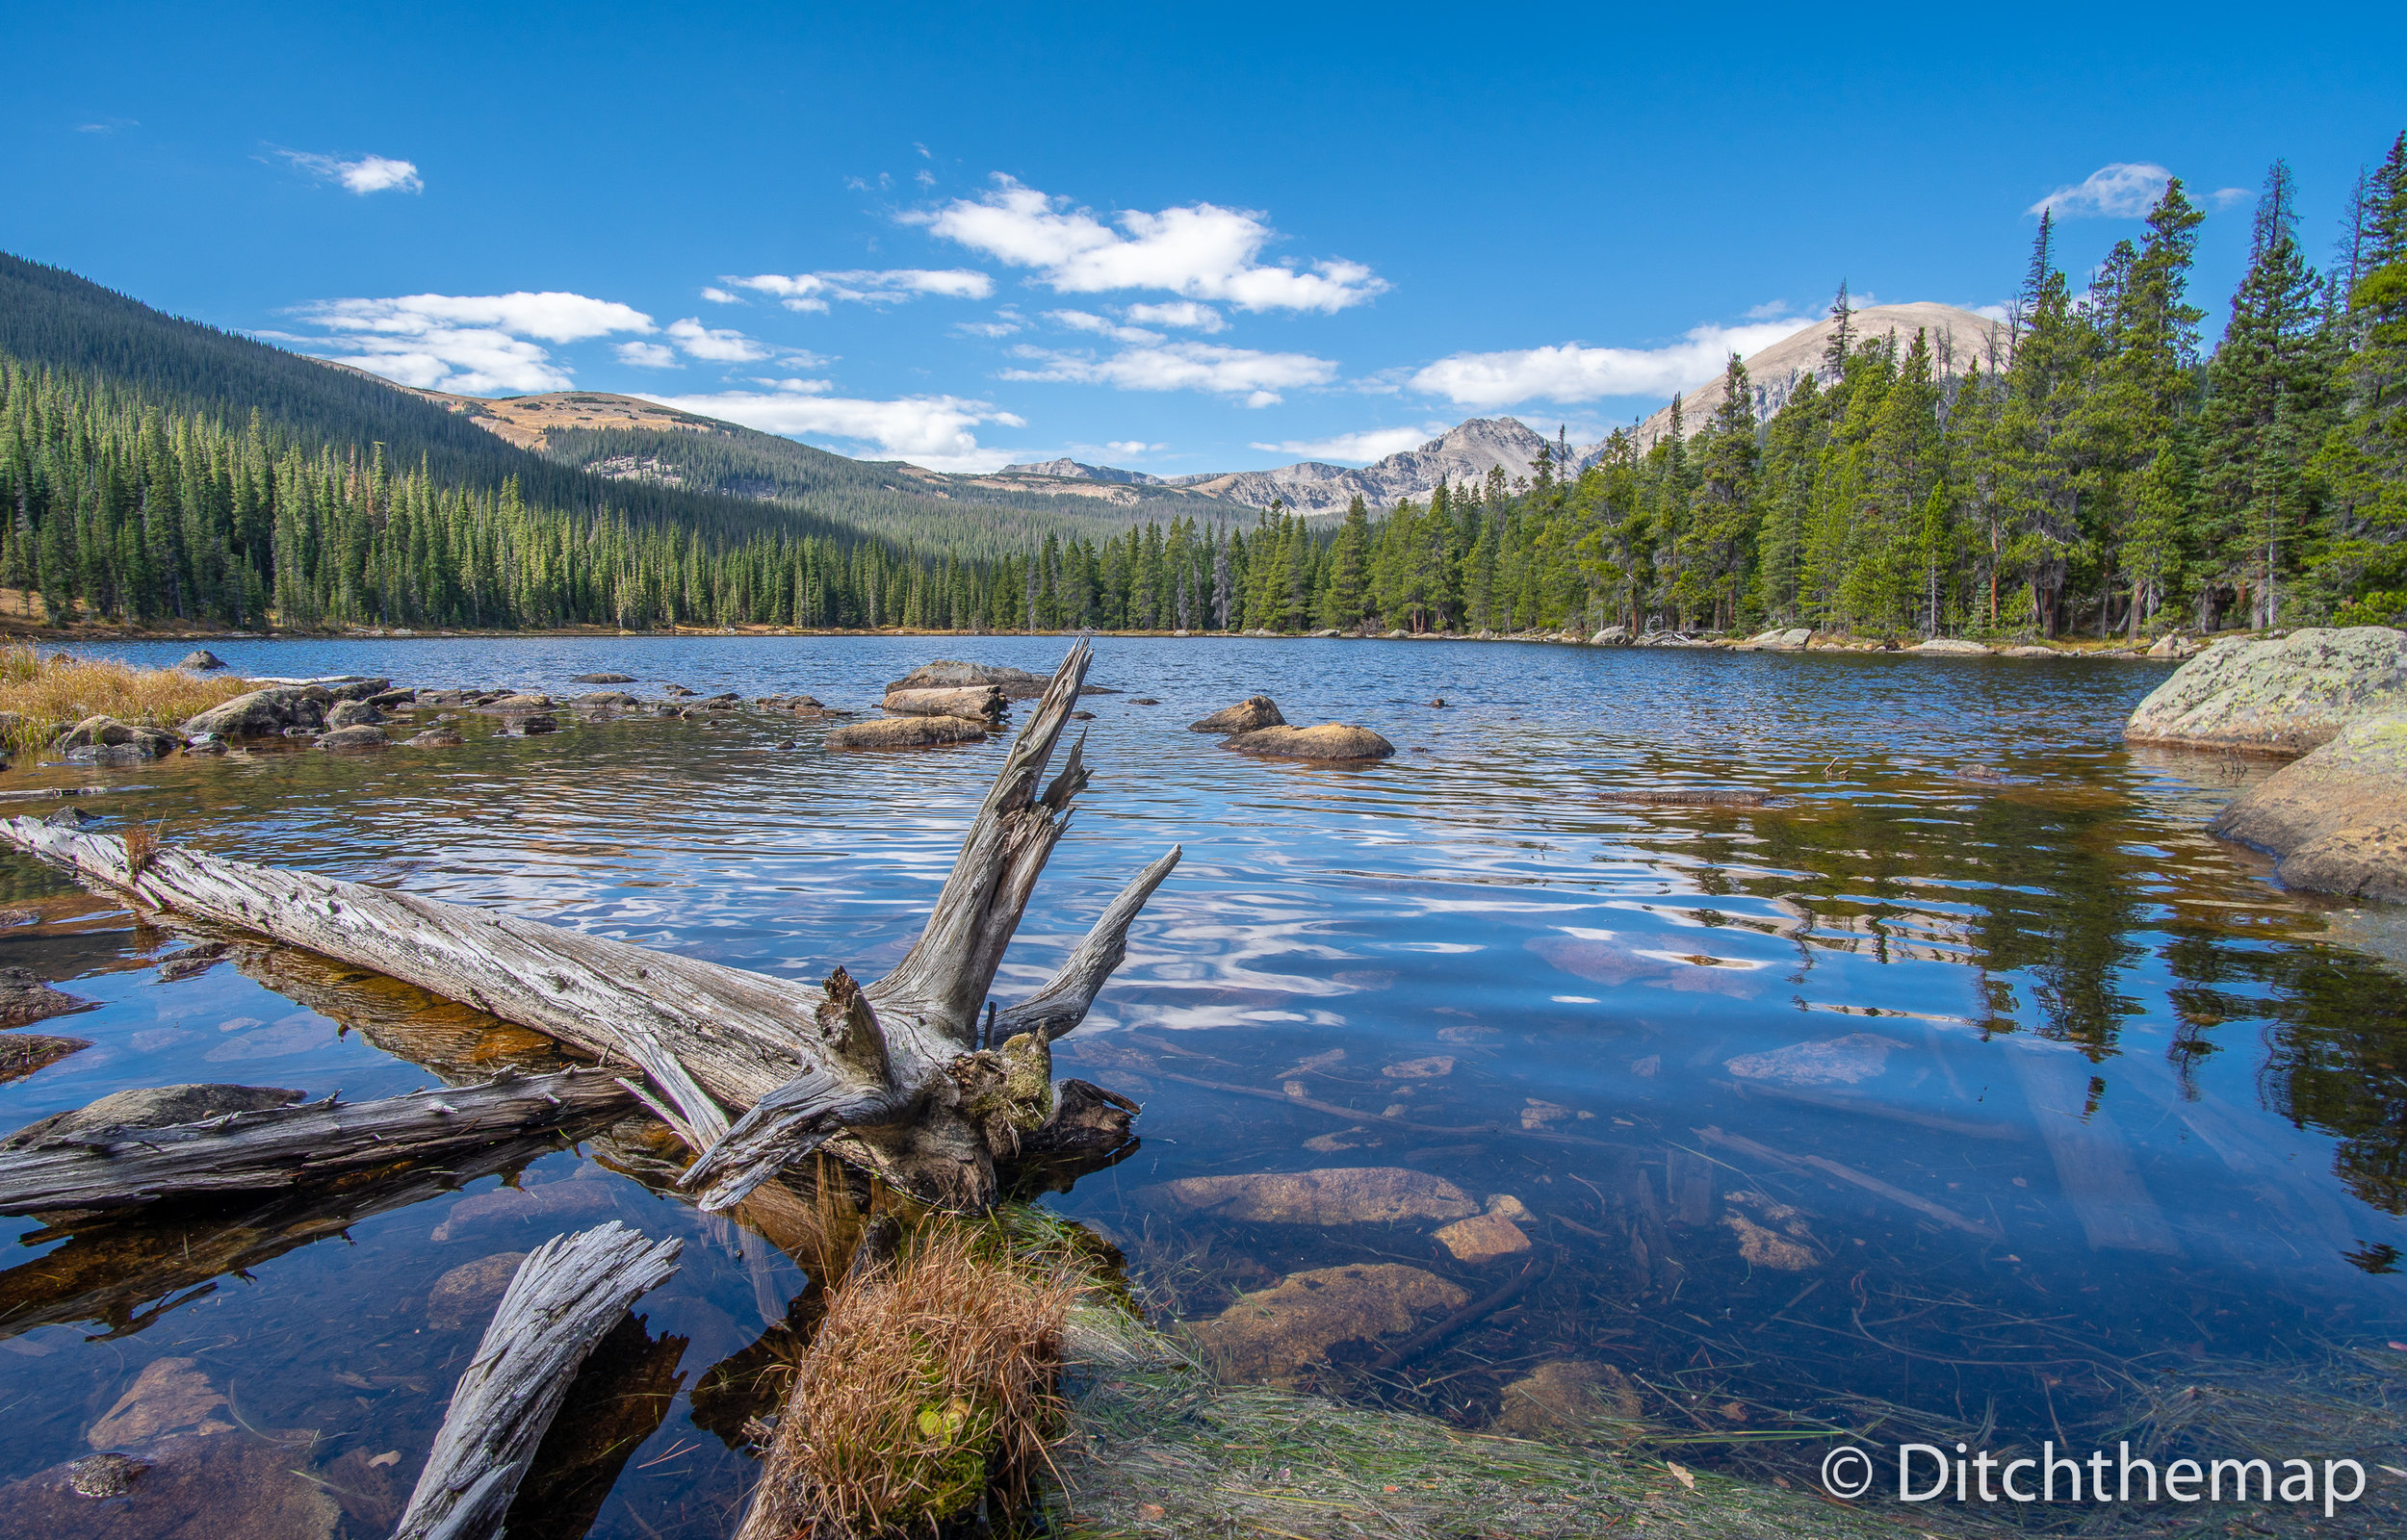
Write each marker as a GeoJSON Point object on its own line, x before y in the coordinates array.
{"type": "Point", "coordinates": [2109, 480]}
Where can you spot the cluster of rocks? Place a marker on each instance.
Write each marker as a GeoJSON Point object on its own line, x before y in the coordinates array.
{"type": "Point", "coordinates": [2335, 818]}
{"type": "Point", "coordinates": [1254, 726]}
{"type": "Point", "coordinates": [943, 702]}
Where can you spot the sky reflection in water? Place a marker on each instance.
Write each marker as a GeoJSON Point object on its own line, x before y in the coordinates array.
{"type": "Point", "coordinates": [2120, 1109]}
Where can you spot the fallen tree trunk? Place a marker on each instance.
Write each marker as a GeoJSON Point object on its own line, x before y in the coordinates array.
{"type": "Point", "coordinates": [287, 1146]}
{"type": "Point", "coordinates": [568, 1295]}
{"type": "Point", "coordinates": [897, 1076]}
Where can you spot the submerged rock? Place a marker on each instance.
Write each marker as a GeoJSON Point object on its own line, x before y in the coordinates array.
{"type": "Point", "coordinates": [1484, 1237]}
{"type": "Point", "coordinates": [1766, 1248]}
{"type": "Point", "coordinates": [169, 1395]}
{"type": "Point", "coordinates": [1276, 1335]}
{"type": "Point", "coordinates": [1330, 740]}
{"type": "Point", "coordinates": [2338, 818]}
{"type": "Point", "coordinates": [466, 1295]}
{"type": "Point", "coordinates": [2284, 696]}
{"type": "Point", "coordinates": [1858, 1056]}
{"type": "Point", "coordinates": [907, 733]}
{"type": "Point", "coordinates": [603, 679]}
{"type": "Point", "coordinates": [1356, 1194]}
{"type": "Point", "coordinates": [202, 659]}
{"type": "Point", "coordinates": [148, 1107]}
{"type": "Point", "coordinates": [435, 738]}
{"type": "Point", "coordinates": [972, 702]}
{"type": "Point", "coordinates": [1249, 715]}
{"type": "Point", "coordinates": [264, 713]}
{"type": "Point", "coordinates": [1564, 1396]}
{"type": "Point", "coordinates": [949, 674]}
{"type": "Point", "coordinates": [560, 1204]}
{"type": "Point", "coordinates": [214, 1486]}
{"type": "Point", "coordinates": [351, 740]}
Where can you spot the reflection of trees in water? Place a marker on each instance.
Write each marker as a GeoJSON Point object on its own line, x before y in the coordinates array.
{"type": "Point", "coordinates": [2337, 1062]}
{"type": "Point", "coordinates": [2055, 896]}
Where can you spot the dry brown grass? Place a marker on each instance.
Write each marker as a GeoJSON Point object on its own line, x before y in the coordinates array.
{"type": "Point", "coordinates": [52, 692]}
{"type": "Point", "coordinates": [930, 1383]}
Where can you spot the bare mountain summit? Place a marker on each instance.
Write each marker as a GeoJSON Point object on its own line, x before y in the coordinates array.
{"type": "Point", "coordinates": [1959, 340]}
{"type": "Point", "coordinates": [1069, 470]}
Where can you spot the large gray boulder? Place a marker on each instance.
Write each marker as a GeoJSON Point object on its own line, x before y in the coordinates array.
{"type": "Point", "coordinates": [264, 713]}
{"type": "Point", "coordinates": [353, 714]}
{"type": "Point", "coordinates": [2336, 818]}
{"type": "Point", "coordinates": [2282, 695]}
{"type": "Point", "coordinates": [1249, 715]}
{"type": "Point", "coordinates": [951, 674]}
{"type": "Point", "coordinates": [354, 739]}
{"type": "Point", "coordinates": [110, 741]}
{"type": "Point", "coordinates": [201, 660]}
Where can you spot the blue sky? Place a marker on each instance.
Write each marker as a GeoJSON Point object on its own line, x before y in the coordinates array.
{"type": "Point", "coordinates": [1179, 239]}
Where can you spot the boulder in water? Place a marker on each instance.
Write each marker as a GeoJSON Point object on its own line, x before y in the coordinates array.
{"type": "Point", "coordinates": [2278, 695]}
{"type": "Point", "coordinates": [353, 714]}
{"type": "Point", "coordinates": [1564, 1396]}
{"type": "Point", "coordinates": [604, 678]}
{"type": "Point", "coordinates": [264, 713]}
{"type": "Point", "coordinates": [951, 674]}
{"type": "Point", "coordinates": [109, 741]}
{"type": "Point", "coordinates": [978, 702]}
{"type": "Point", "coordinates": [1328, 742]}
{"type": "Point", "coordinates": [435, 738]}
{"type": "Point", "coordinates": [907, 733]}
{"type": "Point", "coordinates": [1249, 715]}
{"type": "Point", "coordinates": [354, 739]}
{"type": "Point", "coordinates": [201, 660]}
{"type": "Point", "coordinates": [2338, 818]}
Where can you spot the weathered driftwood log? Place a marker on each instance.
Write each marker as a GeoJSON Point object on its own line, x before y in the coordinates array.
{"type": "Point", "coordinates": [568, 1294]}
{"type": "Point", "coordinates": [287, 1146]}
{"type": "Point", "coordinates": [126, 1268]}
{"type": "Point", "coordinates": [896, 1076]}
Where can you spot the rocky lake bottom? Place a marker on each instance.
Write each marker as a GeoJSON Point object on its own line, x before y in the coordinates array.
{"type": "Point", "coordinates": [1747, 1047]}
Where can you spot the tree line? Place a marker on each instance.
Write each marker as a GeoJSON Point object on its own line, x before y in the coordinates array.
{"type": "Point", "coordinates": [2093, 473]}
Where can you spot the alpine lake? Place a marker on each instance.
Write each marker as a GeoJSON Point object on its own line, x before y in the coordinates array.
{"type": "Point", "coordinates": [1935, 1078]}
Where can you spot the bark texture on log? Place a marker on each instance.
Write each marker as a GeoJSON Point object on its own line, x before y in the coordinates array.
{"type": "Point", "coordinates": [569, 1293]}
{"type": "Point", "coordinates": [287, 1146]}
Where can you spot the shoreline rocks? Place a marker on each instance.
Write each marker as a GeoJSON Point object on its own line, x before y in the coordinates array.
{"type": "Point", "coordinates": [264, 713]}
{"type": "Point", "coordinates": [1276, 1335]}
{"type": "Point", "coordinates": [2336, 820]}
{"type": "Point", "coordinates": [1363, 1194]}
{"type": "Point", "coordinates": [2285, 695]}
{"type": "Point", "coordinates": [1331, 742]}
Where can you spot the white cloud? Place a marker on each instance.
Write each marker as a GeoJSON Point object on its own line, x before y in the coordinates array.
{"type": "Point", "coordinates": [1004, 323]}
{"type": "Point", "coordinates": [1102, 326]}
{"type": "Point", "coordinates": [1127, 448]}
{"type": "Point", "coordinates": [369, 173]}
{"type": "Point", "coordinates": [646, 355]}
{"type": "Point", "coordinates": [812, 291]}
{"type": "Point", "coordinates": [1771, 310]}
{"type": "Point", "coordinates": [471, 344]}
{"type": "Point", "coordinates": [2226, 197]}
{"type": "Point", "coordinates": [1201, 250]}
{"type": "Point", "coordinates": [2122, 190]}
{"type": "Point", "coordinates": [1182, 313]}
{"type": "Point", "coordinates": [1357, 448]}
{"type": "Point", "coordinates": [934, 431]}
{"type": "Point", "coordinates": [1257, 376]}
{"type": "Point", "coordinates": [1572, 372]}
{"type": "Point", "coordinates": [719, 346]}
{"type": "Point", "coordinates": [720, 297]}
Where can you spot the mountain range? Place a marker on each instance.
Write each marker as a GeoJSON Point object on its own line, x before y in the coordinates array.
{"type": "Point", "coordinates": [1468, 451]}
